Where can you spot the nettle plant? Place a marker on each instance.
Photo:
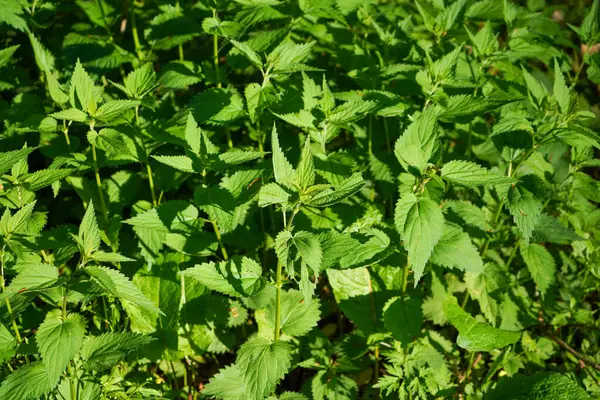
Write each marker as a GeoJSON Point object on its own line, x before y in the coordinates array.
{"type": "Point", "coordinates": [313, 199]}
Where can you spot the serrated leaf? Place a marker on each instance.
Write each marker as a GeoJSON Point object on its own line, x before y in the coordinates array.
{"type": "Point", "coordinates": [297, 317]}
{"type": "Point", "coordinates": [262, 364]}
{"type": "Point", "coordinates": [272, 193]}
{"type": "Point", "coordinates": [89, 232]}
{"type": "Point", "coordinates": [473, 335]}
{"type": "Point", "coordinates": [70, 114]}
{"type": "Point", "coordinates": [102, 352]}
{"type": "Point", "coordinates": [248, 52]}
{"type": "Point", "coordinates": [114, 108]}
{"type": "Point", "coordinates": [306, 167]}
{"type": "Point", "coordinates": [549, 229]}
{"type": "Point", "coordinates": [103, 256]}
{"type": "Point", "coordinates": [419, 222]}
{"type": "Point", "coordinates": [227, 384]}
{"type": "Point", "coordinates": [118, 285]}
{"type": "Point", "coordinates": [561, 91]}
{"type": "Point", "coordinates": [403, 318]}
{"type": "Point", "coordinates": [282, 169]}
{"type": "Point", "coordinates": [525, 208]}
{"type": "Point", "coordinates": [345, 189]}
{"type": "Point", "coordinates": [10, 158]}
{"type": "Point", "coordinates": [240, 276]}
{"type": "Point", "coordinates": [181, 163]}
{"type": "Point", "coordinates": [8, 344]}
{"type": "Point", "coordinates": [58, 341]}
{"type": "Point", "coordinates": [31, 381]}
{"type": "Point", "coordinates": [541, 265]}
{"type": "Point", "coordinates": [309, 248]}
{"type": "Point", "coordinates": [470, 174]}
{"type": "Point", "coordinates": [541, 385]}
{"type": "Point", "coordinates": [455, 250]}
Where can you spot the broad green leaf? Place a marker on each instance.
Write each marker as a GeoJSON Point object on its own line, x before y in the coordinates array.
{"type": "Point", "coordinates": [262, 364]}
{"type": "Point", "coordinates": [297, 317]}
{"type": "Point", "coordinates": [455, 250]}
{"type": "Point", "coordinates": [118, 285]}
{"type": "Point", "coordinates": [8, 344]}
{"type": "Point", "coordinates": [29, 382]}
{"type": "Point", "coordinates": [525, 208]}
{"type": "Point", "coordinates": [272, 193]}
{"type": "Point", "coordinates": [83, 86]}
{"type": "Point", "coordinates": [43, 58]}
{"type": "Point", "coordinates": [6, 55]}
{"type": "Point", "coordinates": [103, 256]}
{"type": "Point", "coordinates": [58, 340]}
{"type": "Point", "coordinates": [549, 229]}
{"type": "Point", "coordinates": [217, 106]}
{"type": "Point", "coordinates": [418, 142]}
{"type": "Point", "coordinates": [227, 384]}
{"type": "Point", "coordinates": [240, 276]}
{"type": "Point", "coordinates": [106, 350]}
{"type": "Point", "coordinates": [10, 158]}
{"type": "Point", "coordinates": [181, 163]}
{"type": "Point", "coordinates": [470, 174]}
{"type": "Point", "coordinates": [541, 385]}
{"type": "Point", "coordinates": [473, 335]}
{"type": "Point", "coordinates": [141, 81]}
{"type": "Point", "coordinates": [34, 277]}
{"type": "Point", "coordinates": [18, 222]}
{"type": "Point", "coordinates": [403, 318]}
{"type": "Point", "coordinates": [114, 108]}
{"type": "Point", "coordinates": [420, 223]}
{"type": "Point", "coordinates": [70, 114]}
{"type": "Point", "coordinates": [309, 248]}
{"type": "Point", "coordinates": [541, 265]}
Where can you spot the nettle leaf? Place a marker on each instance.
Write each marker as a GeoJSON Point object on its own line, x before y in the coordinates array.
{"type": "Point", "coordinates": [541, 265]}
{"type": "Point", "coordinates": [455, 250]}
{"type": "Point", "coordinates": [262, 364]}
{"type": "Point", "coordinates": [248, 52]}
{"type": "Point", "coordinates": [227, 384]}
{"type": "Point", "coordinates": [525, 208]}
{"type": "Point", "coordinates": [114, 108]}
{"type": "Point", "coordinates": [418, 142]}
{"type": "Point", "coordinates": [345, 189]}
{"type": "Point", "coordinates": [549, 229]}
{"type": "Point", "coordinates": [309, 248]}
{"type": "Point", "coordinates": [58, 340]}
{"type": "Point", "coordinates": [101, 352]}
{"type": "Point", "coordinates": [473, 335]}
{"type": "Point", "coordinates": [282, 169]}
{"type": "Point", "coordinates": [115, 284]}
{"type": "Point", "coordinates": [403, 318]}
{"type": "Point", "coordinates": [561, 91]}
{"type": "Point", "coordinates": [8, 344]}
{"type": "Point", "coordinates": [420, 223]}
{"type": "Point", "coordinates": [10, 158]}
{"type": "Point", "coordinates": [89, 234]}
{"type": "Point", "coordinates": [70, 114]}
{"type": "Point", "coordinates": [541, 385]}
{"type": "Point", "coordinates": [240, 276]}
{"type": "Point", "coordinates": [272, 193]}
{"type": "Point", "coordinates": [297, 316]}
{"type": "Point", "coordinates": [31, 381]}
{"type": "Point", "coordinates": [470, 174]}
{"type": "Point", "coordinates": [306, 167]}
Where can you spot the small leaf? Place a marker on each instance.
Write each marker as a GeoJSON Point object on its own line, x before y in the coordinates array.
{"type": "Point", "coordinates": [89, 232]}
{"type": "Point", "coordinates": [561, 91]}
{"type": "Point", "coordinates": [70, 114]}
{"type": "Point", "coordinates": [541, 265]}
{"type": "Point", "coordinates": [470, 174]}
{"type": "Point", "coordinates": [306, 167]}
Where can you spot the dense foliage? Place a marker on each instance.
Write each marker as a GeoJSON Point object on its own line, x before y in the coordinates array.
{"type": "Point", "coordinates": [312, 199]}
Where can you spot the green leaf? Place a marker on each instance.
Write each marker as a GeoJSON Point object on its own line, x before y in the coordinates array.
{"type": "Point", "coordinates": [297, 317]}
{"type": "Point", "coordinates": [18, 222]}
{"type": "Point", "coordinates": [525, 208]}
{"type": "Point", "coordinates": [420, 223]}
{"type": "Point", "coordinates": [141, 81]}
{"type": "Point", "coordinates": [403, 318]}
{"type": "Point", "coordinates": [101, 352]}
{"type": "Point", "coordinates": [6, 55]}
{"type": "Point", "coordinates": [10, 158]}
{"type": "Point", "coordinates": [455, 250]}
{"type": "Point", "coordinates": [549, 229]}
{"type": "Point", "coordinates": [262, 364]}
{"type": "Point", "coordinates": [180, 74]}
{"type": "Point", "coordinates": [58, 340]}
{"type": "Point", "coordinates": [102, 256]}
{"type": "Point", "coordinates": [70, 114]}
{"type": "Point", "coordinates": [541, 265]}
{"type": "Point", "coordinates": [118, 285]}
{"type": "Point", "coordinates": [541, 385]}
{"type": "Point", "coordinates": [345, 189]}
{"type": "Point", "coordinates": [240, 276]}
{"type": "Point", "coordinates": [561, 91]}
{"type": "Point", "coordinates": [89, 234]}
{"type": "Point", "coordinates": [473, 335]}
{"type": "Point", "coordinates": [35, 277]}
{"type": "Point", "coordinates": [470, 174]}
{"type": "Point", "coordinates": [83, 86]}
{"type": "Point", "coordinates": [227, 384]}
{"type": "Point", "coordinates": [418, 142]}
{"type": "Point", "coordinates": [272, 193]}
{"type": "Point", "coordinates": [306, 168]}
{"type": "Point", "coordinates": [181, 163]}
{"type": "Point", "coordinates": [43, 58]}
{"type": "Point", "coordinates": [8, 344]}
{"type": "Point", "coordinates": [309, 248]}
{"type": "Point", "coordinates": [114, 108]}
{"type": "Point", "coordinates": [248, 52]}
{"type": "Point", "coordinates": [31, 381]}
{"type": "Point", "coordinates": [217, 106]}
{"type": "Point", "coordinates": [283, 170]}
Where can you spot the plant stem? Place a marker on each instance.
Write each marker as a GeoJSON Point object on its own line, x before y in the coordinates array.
{"type": "Point", "coordinates": [134, 33]}
{"type": "Point", "coordinates": [512, 255]}
{"type": "Point", "coordinates": [405, 277]}
{"type": "Point", "coordinates": [148, 167]}
{"type": "Point", "coordinates": [66, 132]}
{"type": "Point", "coordinates": [279, 282]}
{"type": "Point", "coordinates": [99, 184]}
{"type": "Point", "coordinates": [8, 306]}
{"type": "Point", "coordinates": [216, 53]}
{"type": "Point", "coordinates": [218, 235]}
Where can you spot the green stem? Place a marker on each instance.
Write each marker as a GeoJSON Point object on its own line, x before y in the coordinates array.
{"type": "Point", "coordinates": [148, 167]}
{"type": "Point", "coordinates": [218, 235]}
{"type": "Point", "coordinates": [8, 306]}
{"type": "Point", "coordinates": [470, 367]}
{"type": "Point", "coordinates": [99, 184]}
{"type": "Point", "coordinates": [216, 53]}
{"type": "Point", "coordinates": [134, 33]}
{"type": "Point", "coordinates": [279, 283]}
{"type": "Point", "coordinates": [405, 277]}
{"type": "Point", "coordinates": [66, 132]}
{"type": "Point", "coordinates": [512, 255]}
